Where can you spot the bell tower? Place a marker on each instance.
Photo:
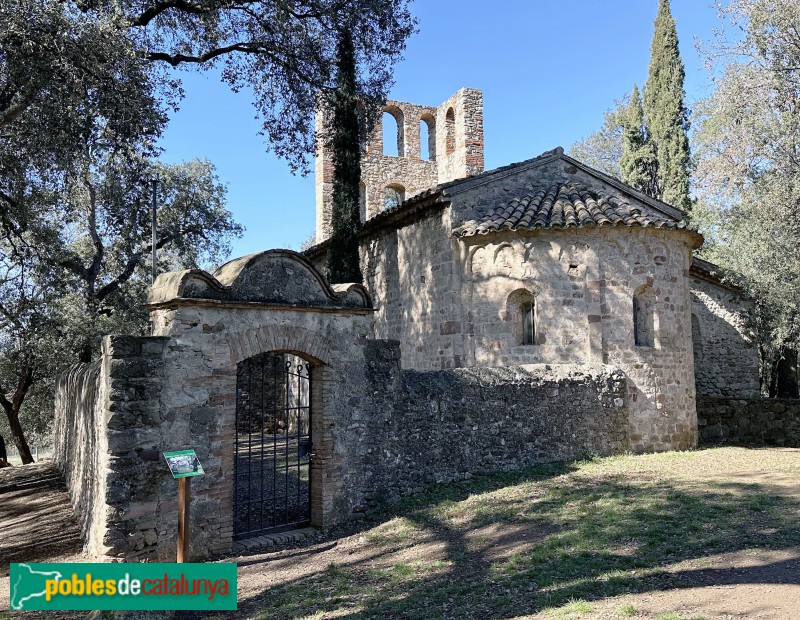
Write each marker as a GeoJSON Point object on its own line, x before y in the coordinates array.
{"type": "Point", "coordinates": [454, 151]}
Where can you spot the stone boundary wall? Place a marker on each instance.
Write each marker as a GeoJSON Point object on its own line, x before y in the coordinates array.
{"type": "Point", "coordinates": [378, 432]}
{"type": "Point", "coordinates": [78, 449]}
{"type": "Point", "coordinates": [384, 433]}
{"type": "Point", "coordinates": [109, 448]}
{"type": "Point", "coordinates": [763, 421]}
{"type": "Point", "coordinates": [442, 426]}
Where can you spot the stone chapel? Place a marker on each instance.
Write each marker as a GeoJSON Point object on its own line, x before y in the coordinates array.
{"type": "Point", "coordinates": [545, 261]}
{"type": "Point", "coordinates": [539, 312]}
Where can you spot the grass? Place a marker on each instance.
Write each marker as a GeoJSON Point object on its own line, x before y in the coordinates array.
{"type": "Point", "coordinates": [573, 609]}
{"type": "Point", "coordinates": [553, 540]}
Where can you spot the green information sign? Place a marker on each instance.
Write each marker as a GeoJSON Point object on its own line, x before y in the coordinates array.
{"type": "Point", "coordinates": [183, 464]}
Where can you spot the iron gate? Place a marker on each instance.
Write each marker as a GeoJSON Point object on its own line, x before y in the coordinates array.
{"type": "Point", "coordinates": [273, 444]}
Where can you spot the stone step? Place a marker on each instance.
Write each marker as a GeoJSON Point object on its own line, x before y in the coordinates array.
{"type": "Point", "coordinates": [267, 541]}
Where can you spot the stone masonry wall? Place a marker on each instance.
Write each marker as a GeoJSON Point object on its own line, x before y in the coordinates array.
{"type": "Point", "coordinates": [454, 306]}
{"type": "Point", "coordinates": [441, 426]}
{"type": "Point", "coordinates": [371, 422]}
{"type": "Point", "coordinates": [726, 361]}
{"type": "Point", "coordinates": [411, 271]}
{"type": "Point", "coordinates": [466, 159]}
{"type": "Point", "coordinates": [378, 432]}
{"type": "Point", "coordinates": [80, 448]}
{"type": "Point", "coordinates": [129, 512]}
{"type": "Point", "coordinates": [762, 421]}
{"type": "Point", "coordinates": [583, 283]}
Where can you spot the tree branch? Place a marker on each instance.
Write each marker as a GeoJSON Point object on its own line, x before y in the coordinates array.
{"type": "Point", "coordinates": [136, 258]}
{"type": "Point", "coordinates": [74, 265]}
{"type": "Point", "coordinates": [26, 380]}
{"type": "Point", "coordinates": [176, 59]}
{"type": "Point", "coordinates": [156, 10]}
{"type": "Point", "coordinates": [4, 402]}
{"type": "Point", "coordinates": [99, 250]}
{"type": "Point", "coordinates": [21, 100]}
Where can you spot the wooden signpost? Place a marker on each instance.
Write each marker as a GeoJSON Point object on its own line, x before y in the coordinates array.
{"type": "Point", "coordinates": [183, 465]}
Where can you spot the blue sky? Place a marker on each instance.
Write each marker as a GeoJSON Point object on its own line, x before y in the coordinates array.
{"type": "Point", "coordinates": [548, 70]}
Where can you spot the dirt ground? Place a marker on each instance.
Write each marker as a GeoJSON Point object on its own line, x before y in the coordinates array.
{"type": "Point", "coordinates": [760, 583]}
{"type": "Point", "coordinates": [37, 523]}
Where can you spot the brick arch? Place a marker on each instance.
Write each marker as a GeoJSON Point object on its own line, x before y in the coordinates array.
{"type": "Point", "coordinates": [290, 339]}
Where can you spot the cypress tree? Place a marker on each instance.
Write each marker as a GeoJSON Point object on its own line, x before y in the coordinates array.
{"type": "Point", "coordinates": [638, 164]}
{"type": "Point", "coordinates": [343, 256]}
{"type": "Point", "coordinates": [665, 112]}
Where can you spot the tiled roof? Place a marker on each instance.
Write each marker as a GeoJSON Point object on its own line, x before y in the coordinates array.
{"type": "Point", "coordinates": [565, 205]}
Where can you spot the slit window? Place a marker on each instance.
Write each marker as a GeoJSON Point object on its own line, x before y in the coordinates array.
{"type": "Point", "coordinates": [644, 317]}
{"type": "Point", "coordinates": [520, 313]}
{"type": "Point", "coordinates": [450, 131]}
{"type": "Point", "coordinates": [529, 323]}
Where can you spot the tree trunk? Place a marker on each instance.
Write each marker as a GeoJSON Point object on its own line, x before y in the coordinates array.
{"type": "Point", "coordinates": [787, 386]}
{"type": "Point", "coordinates": [17, 435]}
{"type": "Point", "coordinates": [12, 408]}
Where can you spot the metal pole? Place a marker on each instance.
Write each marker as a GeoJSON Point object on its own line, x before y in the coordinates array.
{"type": "Point", "coordinates": [154, 181]}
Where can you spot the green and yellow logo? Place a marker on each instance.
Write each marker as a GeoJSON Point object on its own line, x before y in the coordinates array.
{"type": "Point", "coordinates": [123, 586]}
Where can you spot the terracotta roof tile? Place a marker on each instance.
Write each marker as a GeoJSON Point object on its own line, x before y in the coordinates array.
{"type": "Point", "coordinates": [565, 205]}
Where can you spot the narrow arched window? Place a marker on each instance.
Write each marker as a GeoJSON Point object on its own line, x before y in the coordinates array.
{"type": "Point", "coordinates": [427, 138]}
{"type": "Point", "coordinates": [644, 317]}
{"type": "Point", "coordinates": [521, 314]}
{"type": "Point", "coordinates": [393, 132]}
{"type": "Point", "coordinates": [450, 129]}
{"type": "Point", "coordinates": [393, 196]}
{"type": "Point", "coordinates": [529, 322]}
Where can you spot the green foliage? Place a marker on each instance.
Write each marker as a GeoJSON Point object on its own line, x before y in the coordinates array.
{"type": "Point", "coordinates": [65, 65]}
{"type": "Point", "coordinates": [343, 255]}
{"type": "Point", "coordinates": [638, 164]}
{"type": "Point", "coordinates": [602, 149]}
{"type": "Point", "coordinates": [75, 268]}
{"type": "Point", "coordinates": [85, 88]}
{"type": "Point", "coordinates": [748, 173]}
{"type": "Point", "coordinates": [647, 145]}
{"type": "Point", "coordinates": [665, 112]}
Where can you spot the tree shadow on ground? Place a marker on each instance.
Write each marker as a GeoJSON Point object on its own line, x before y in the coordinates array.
{"type": "Point", "coordinates": [548, 541]}
{"type": "Point", "coordinates": [38, 522]}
